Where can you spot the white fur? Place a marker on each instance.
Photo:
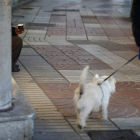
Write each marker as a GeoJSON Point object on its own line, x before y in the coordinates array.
{"type": "Point", "coordinates": [94, 97]}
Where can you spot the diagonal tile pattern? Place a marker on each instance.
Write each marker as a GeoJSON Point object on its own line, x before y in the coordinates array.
{"type": "Point", "coordinates": [71, 35]}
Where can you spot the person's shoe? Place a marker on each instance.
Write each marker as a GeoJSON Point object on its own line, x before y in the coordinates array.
{"type": "Point", "coordinates": [15, 69]}
{"type": "Point", "coordinates": [16, 65]}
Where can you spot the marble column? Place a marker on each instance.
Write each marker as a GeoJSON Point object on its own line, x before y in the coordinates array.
{"type": "Point", "coordinates": [5, 54]}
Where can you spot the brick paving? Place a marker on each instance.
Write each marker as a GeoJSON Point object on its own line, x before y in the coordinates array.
{"type": "Point", "coordinates": [52, 60]}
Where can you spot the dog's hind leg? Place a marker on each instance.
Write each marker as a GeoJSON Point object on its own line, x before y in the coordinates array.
{"type": "Point", "coordinates": [83, 117]}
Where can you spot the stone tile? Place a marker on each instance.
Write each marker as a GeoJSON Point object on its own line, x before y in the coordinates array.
{"type": "Point", "coordinates": [76, 52]}
{"type": "Point", "coordinates": [94, 38]}
{"type": "Point", "coordinates": [57, 86]}
{"type": "Point", "coordinates": [90, 19]}
{"type": "Point", "coordinates": [26, 46]}
{"type": "Point", "coordinates": [124, 42]}
{"type": "Point", "coordinates": [41, 20]}
{"type": "Point", "coordinates": [77, 37]}
{"type": "Point", "coordinates": [118, 38]}
{"type": "Point", "coordinates": [131, 95]}
{"type": "Point", "coordinates": [112, 46]}
{"type": "Point", "coordinates": [38, 43]}
{"type": "Point", "coordinates": [125, 26]}
{"type": "Point", "coordinates": [89, 12]}
{"type": "Point", "coordinates": [80, 42]}
{"type": "Point", "coordinates": [126, 54]}
{"type": "Point", "coordinates": [36, 33]}
{"type": "Point", "coordinates": [31, 39]}
{"type": "Point", "coordinates": [60, 43]}
{"type": "Point", "coordinates": [131, 37]}
{"type": "Point", "coordinates": [127, 123]}
{"type": "Point", "coordinates": [120, 107]}
{"type": "Point", "coordinates": [37, 39]}
{"type": "Point", "coordinates": [93, 25]}
{"type": "Point", "coordinates": [68, 67]}
{"type": "Point", "coordinates": [92, 125]}
{"type": "Point", "coordinates": [125, 85]}
{"type": "Point", "coordinates": [73, 76]}
{"type": "Point", "coordinates": [36, 65]}
{"type": "Point", "coordinates": [26, 19]}
{"type": "Point", "coordinates": [82, 12]}
{"type": "Point", "coordinates": [92, 48]}
{"type": "Point", "coordinates": [53, 37]}
{"type": "Point", "coordinates": [109, 26]}
{"type": "Point", "coordinates": [23, 35]}
{"type": "Point", "coordinates": [102, 15]}
{"type": "Point", "coordinates": [57, 136]}
{"type": "Point", "coordinates": [95, 32]}
{"type": "Point", "coordinates": [119, 60]}
{"type": "Point", "coordinates": [132, 74]}
{"type": "Point", "coordinates": [97, 66]}
{"type": "Point", "coordinates": [114, 32]}
{"type": "Point", "coordinates": [18, 12]}
{"type": "Point", "coordinates": [28, 51]}
{"type": "Point", "coordinates": [118, 76]}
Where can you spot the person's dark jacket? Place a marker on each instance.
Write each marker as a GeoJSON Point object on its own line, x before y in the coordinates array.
{"type": "Point", "coordinates": [13, 31]}
{"type": "Point", "coordinates": [135, 15]}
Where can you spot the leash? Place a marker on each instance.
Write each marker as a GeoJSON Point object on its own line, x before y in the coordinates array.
{"type": "Point", "coordinates": [118, 69]}
{"type": "Point", "coordinates": [102, 93]}
{"type": "Point", "coordinates": [113, 74]}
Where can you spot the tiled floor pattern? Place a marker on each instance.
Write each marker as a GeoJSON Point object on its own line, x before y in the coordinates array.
{"type": "Point", "coordinates": [67, 57]}
{"type": "Point", "coordinates": [124, 103]}
{"type": "Point", "coordinates": [95, 33]}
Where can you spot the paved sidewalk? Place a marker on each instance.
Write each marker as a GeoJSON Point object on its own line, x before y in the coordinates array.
{"type": "Point", "coordinates": [73, 34]}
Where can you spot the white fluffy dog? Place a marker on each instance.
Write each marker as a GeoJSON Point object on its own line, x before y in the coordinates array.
{"type": "Point", "coordinates": [92, 97]}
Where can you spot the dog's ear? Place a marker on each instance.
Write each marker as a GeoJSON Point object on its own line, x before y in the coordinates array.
{"type": "Point", "coordinates": [95, 78]}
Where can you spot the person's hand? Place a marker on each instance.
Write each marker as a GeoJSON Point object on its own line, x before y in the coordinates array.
{"type": "Point", "coordinates": [18, 31]}
{"type": "Point", "coordinates": [139, 54]}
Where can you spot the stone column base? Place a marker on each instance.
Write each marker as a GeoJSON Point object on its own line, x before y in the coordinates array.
{"type": "Point", "coordinates": [17, 130]}
{"type": "Point", "coordinates": [17, 124]}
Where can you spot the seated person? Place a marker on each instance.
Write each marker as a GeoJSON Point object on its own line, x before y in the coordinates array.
{"type": "Point", "coordinates": [16, 48]}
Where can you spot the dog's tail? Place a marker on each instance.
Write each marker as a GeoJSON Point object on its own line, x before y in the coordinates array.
{"type": "Point", "coordinates": [83, 78]}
